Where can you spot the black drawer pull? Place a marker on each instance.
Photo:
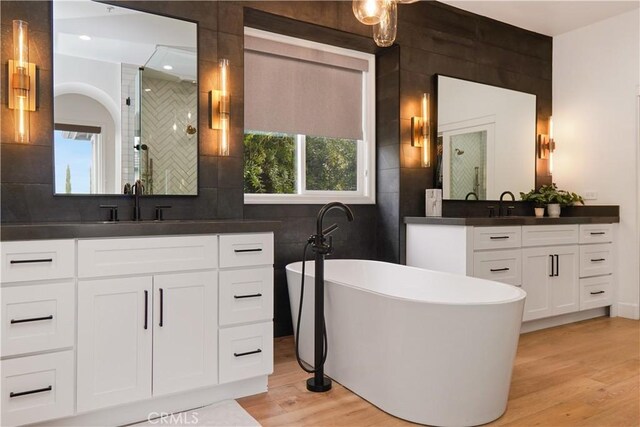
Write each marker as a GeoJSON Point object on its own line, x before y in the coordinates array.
{"type": "Point", "coordinates": [597, 233]}
{"type": "Point", "coordinates": [32, 319]}
{"type": "Point", "coordinates": [30, 261]}
{"type": "Point", "coordinates": [247, 296]}
{"type": "Point", "coordinates": [499, 269]}
{"type": "Point", "coordinates": [498, 237]}
{"type": "Point", "coordinates": [247, 250]}
{"type": "Point", "coordinates": [24, 393]}
{"type": "Point", "coordinates": [161, 324]}
{"type": "Point", "coordinates": [146, 308]}
{"type": "Point", "coordinates": [598, 260]}
{"type": "Point", "coordinates": [247, 353]}
{"type": "Point", "coordinates": [596, 293]}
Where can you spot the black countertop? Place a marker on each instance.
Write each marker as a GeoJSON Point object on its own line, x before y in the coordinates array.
{"type": "Point", "coordinates": [63, 230]}
{"type": "Point", "coordinates": [510, 220]}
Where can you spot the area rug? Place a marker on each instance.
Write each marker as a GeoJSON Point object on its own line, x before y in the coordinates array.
{"type": "Point", "coordinates": [227, 413]}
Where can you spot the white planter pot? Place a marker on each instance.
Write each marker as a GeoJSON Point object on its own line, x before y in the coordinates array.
{"type": "Point", "coordinates": [539, 212]}
{"type": "Point", "coordinates": [553, 209]}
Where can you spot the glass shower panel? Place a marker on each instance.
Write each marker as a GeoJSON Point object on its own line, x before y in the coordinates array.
{"type": "Point", "coordinates": [168, 146]}
{"type": "Point", "coordinates": [468, 164]}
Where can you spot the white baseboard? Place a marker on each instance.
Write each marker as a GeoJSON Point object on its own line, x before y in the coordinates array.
{"type": "Point", "coordinates": [630, 311]}
{"type": "Point", "coordinates": [550, 322]}
{"type": "Point", "coordinates": [139, 411]}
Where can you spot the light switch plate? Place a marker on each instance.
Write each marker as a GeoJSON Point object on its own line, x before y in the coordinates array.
{"type": "Point", "coordinates": [591, 195]}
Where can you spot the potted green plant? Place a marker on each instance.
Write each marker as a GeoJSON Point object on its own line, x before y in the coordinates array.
{"type": "Point", "coordinates": [538, 201]}
{"type": "Point", "coordinates": [553, 198]}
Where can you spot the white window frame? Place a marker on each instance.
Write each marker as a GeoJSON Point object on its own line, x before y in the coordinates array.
{"type": "Point", "coordinates": [366, 193]}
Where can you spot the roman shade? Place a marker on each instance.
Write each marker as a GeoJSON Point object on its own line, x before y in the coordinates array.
{"type": "Point", "coordinates": [300, 90]}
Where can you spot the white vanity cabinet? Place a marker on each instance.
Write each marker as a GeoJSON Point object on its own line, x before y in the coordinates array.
{"type": "Point", "coordinates": [596, 265]}
{"type": "Point", "coordinates": [246, 306]}
{"type": "Point", "coordinates": [152, 332]}
{"type": "Point", "coordinates": [163, 323]}
{"type": "Point", "coordinates": [38, 330]}
{"type": "Point", "coordinates": [564, 268]}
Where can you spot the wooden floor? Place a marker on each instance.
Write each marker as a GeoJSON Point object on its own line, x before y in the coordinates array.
{"type": "Point", "coordinates": [583, 374]}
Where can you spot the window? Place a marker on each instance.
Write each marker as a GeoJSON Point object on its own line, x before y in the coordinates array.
{"type": "Point", "coordinates": [309, 122]}
{"type": "Point", "coordinates": [76, 152]}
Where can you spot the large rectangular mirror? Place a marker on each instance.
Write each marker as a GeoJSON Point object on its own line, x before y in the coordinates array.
{"type": "Point", "coordinates": [125, 100]}
{"type": "Point", "coordinates": [486, 140]}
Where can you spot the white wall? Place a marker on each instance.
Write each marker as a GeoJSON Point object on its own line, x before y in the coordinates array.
{"type": "Point", "coordinates": [596, 83]}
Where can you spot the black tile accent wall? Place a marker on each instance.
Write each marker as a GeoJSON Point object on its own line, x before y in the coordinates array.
{"type": "Point", "coordinates": [433, 38]}
{"type": "Point", "coordinates": [27, 174]}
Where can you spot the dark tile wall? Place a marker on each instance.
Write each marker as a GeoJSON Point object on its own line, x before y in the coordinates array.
{"type": "Point", "coordinates": [432, 38]}
{"type": "Point", "coordinates": [439, 39]}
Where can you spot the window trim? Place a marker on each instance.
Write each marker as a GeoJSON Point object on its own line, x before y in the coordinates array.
{"type": "Point", "coordinates": [366, 147]}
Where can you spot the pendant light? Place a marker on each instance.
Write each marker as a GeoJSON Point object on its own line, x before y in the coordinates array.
{"type": "Point", "coordinates": [369, 12]}
{"type": "Point", "coordinates": [384, 32]}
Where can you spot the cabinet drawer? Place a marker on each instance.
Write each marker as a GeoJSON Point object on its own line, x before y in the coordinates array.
{"type": "Point", "coordinates": [548, 235]}
{"type": "Point", "coordinates": [595, 260]}
{"type": "Point", "coordinates": [502, 266]}
{"type": "Point", "coordinates": [246, 296]}
{"type": "Point", "coordinates": [241, 250]}
{"type": "Point", "coordinates": [38, 260]}
{"type": "Point", "coordinates": [37, 388]}
{"type": "Point", "coordinates": [37, 317]}
{"type": "Point", "coordinates": [596, 292]}
{"type": "Point", "coordinates": [246, 351]}
{"type": "Point", "coordinates": [496, 237]}
{"type": "Point", "coordinates": [596, 233]}
{"type": "Point", "coordinates": [146, 255]}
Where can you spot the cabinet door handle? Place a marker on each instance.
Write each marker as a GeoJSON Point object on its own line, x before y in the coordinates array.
{"type": "Point", "coordinates": [597, 292]}
{"type": "Point", "coordinates": [498, 237]}
{"type": "Point", "coordinates": [247, 353]}
{"type": "Point", "coordinates": [247, 250]}
{"type": "Point", "coordinates": [499, 269]}
{"type": "Point", "coordinates": [30, 261]}
{"type": "Point", "coordinates": [598, 259]}
{"type": "Point", "coordinates": [247, 296]}
{"type": "Point", "coordinates": [597, 233]}
{"type": "Point", "coordinates": [24, 393]}
{"type": "Point", "coordinates": [146, 308]}
{"type": "Point", "coordinates": [557, 264]}
{"type": "Point", "coordinates": [161, 308]}
{"type": "Point", "coordinates": [552, 267]}
{"type": "Point", "coordinates": [32, 319]}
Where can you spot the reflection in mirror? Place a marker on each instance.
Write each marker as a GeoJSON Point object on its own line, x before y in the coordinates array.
{"type": "Point", "coordinates": [125, 101]}
{"type": "Point", "coordinates": [486, 140]}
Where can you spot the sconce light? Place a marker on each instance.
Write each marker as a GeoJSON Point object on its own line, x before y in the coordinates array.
{"type": "Point", "coordinates": [219, 100]}
{"type": "Point", "coordinates": [547, 145]}
{"type": "Point", "coordinates": [420, 131]}
{"type": "Point", "coordinates": [22, 81]}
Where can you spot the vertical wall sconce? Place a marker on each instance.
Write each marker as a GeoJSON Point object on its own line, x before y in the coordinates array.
{"type": "Point", "coordinates": [22, 81]}
{"type": "Point", "coordinates": [420, 131]}
{"type": "Point", "coordinates": [547, 145]}
{"type": "Point", "coordinates": [220, 107]}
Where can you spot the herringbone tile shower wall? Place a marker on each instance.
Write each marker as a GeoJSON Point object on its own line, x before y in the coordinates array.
{"type": "Point", "coordinates": [166, 105]}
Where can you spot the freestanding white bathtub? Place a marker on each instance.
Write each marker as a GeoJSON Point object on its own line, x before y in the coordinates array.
{"type": "Point", "coordinates": [429, 347]}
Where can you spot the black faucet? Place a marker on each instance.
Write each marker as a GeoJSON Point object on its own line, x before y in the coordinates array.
{"type": "Point", "coordinates": [469, 194]}
{"type": "Point", "coordinates": [509, 208]}
{"type": "Point", "coordinates": [138, 190]}
{"type": "Point", "coordinates": [320, 383]}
